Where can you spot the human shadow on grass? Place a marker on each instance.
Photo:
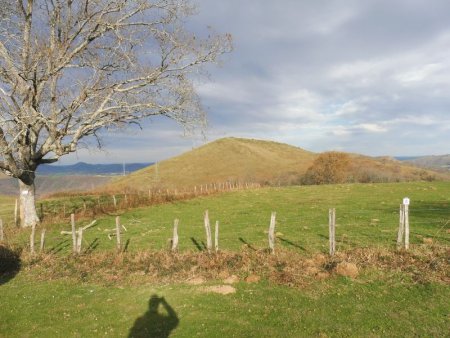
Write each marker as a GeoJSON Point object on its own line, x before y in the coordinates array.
{"type": "Point", "coordinates": [154, 323]}
{"type": "Point", "coordinates": [9, 264]}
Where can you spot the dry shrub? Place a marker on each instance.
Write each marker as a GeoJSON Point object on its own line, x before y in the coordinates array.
{"type": "Point", "coordinates": [330, 167]}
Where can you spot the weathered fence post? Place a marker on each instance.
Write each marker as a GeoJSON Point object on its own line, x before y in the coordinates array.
{"type": "Point", "coordinates": [74, 233]}
{"type": "Point", "coordinates": [208, 232]}
{"type": "Point", "coordinates": [114, 201]}
{"type": "Point", "coordinates": [32, 237]}
{"type": "Point", "coordinates": [332, 230]}
{"type": "Point", "coordinates": [272, 232]}
{"type": "Point", "coordinates": [401, 226]}
{"type": "Point", "coordinates": [406, 219]}
{"type": "Point", "coordinates": [1, 230]}
{"type": "Point", "coordinates": [41, 248]}
{"type": "Point", "coordinates": [175, 235]}
{"type": "Point", "coordinates": [118, 233]}
{"type": "Point", "coordinates": [216, 236]}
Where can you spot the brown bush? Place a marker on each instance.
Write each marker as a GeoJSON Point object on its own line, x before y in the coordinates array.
{"type": "Point", "coordinates": [328, 168]}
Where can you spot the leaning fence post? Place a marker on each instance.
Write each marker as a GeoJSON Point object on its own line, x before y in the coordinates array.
{"type": "Point", "coordinates": [74, 233]}
{"type": "Point", "coordinates": [208, 232]}
{"type": "Point", "coordinates": [41, 249]}
{"type": "Point", "coordinates": [118, 233]}
{"type": "Point", "coordinates": [175, 235]}
{"type": "Point", "coordinates": [272, 232]}
{"type": "Point", "coordinates": [216, 236]}
{"type": "Point", "coordinates": [332, 230]}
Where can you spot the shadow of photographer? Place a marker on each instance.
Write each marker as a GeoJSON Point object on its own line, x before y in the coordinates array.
{"type": "Point", "coordinates": [153, 323]}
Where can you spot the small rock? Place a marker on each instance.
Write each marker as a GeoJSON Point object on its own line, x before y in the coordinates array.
{"type": "Point", "coordinates": [253, 279]}
{"type": "Point", "coordinates": [347, 269]}
{"type": "Point", "coordinates": [231, 280]}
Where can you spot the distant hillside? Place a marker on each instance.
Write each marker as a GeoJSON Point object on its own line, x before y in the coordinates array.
{"type": "Point", "coordinates": [441, 162]}
{"type": "Point", "coordinates": [58, 183]}
{"type": "Point", "coordinates": [82, 168]}
{"type": "Point", "coordinates": [246, 160]}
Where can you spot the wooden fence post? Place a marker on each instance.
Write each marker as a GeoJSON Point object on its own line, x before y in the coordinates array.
{"type": "Point", "coordinates": [208, 232]}
{"type": "Point", "coordinates": [41, 249]}
{"type": "Point", "coordinates": [216, 236]}
{"type": "Point", "coordinates": [32, 237]}
{"type": "Point", "coordinates": [1, 230]}
{"type": "Point", "coordinates": [406, 219]}
{"type": "Point", "coordinates": [332, 230]}
{"type": "Point", "coordinates": [272, 232]}
{"type": "Point", "coordinates": [401, 226]}
{"type": "Point", "coordinates": [175, 235]}
{"type": "Point", "coordinates": [74, 233]}
{"type": "Point", "coordinates": [114, 201]}
{"type": "Point", "coordinates": [118, 233]}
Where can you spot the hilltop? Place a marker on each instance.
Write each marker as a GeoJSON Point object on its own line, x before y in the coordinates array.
{"type": "Point", "coordinates": [440, 162]}
{"type": "Point", "coordinates": [259, 161]}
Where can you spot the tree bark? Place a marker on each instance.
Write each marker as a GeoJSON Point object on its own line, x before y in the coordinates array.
{"type": "Point", "coordinates": [28, 214]}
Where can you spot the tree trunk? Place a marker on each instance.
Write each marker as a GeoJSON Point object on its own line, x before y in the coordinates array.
{"type": "Point", "coordinates": [28, 214]}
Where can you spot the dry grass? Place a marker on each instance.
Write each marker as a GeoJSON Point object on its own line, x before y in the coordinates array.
{"type": "Point", "coordinates": [423, 264]}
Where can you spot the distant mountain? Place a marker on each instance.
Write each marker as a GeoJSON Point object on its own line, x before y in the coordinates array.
{"type": "Point", "coordinates": [441, 162]}
{"type": "Point", "coordinates": [82, 168]}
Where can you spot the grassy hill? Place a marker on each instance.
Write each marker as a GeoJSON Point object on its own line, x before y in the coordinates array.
{"type": "Point", "coordinates": [228, 159]}
{"type": "Point", "coordinates": [258, 161]}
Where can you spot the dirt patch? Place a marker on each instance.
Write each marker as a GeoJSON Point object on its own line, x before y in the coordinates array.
{"type": "Point", "coordinates": [221, 289]}
{"type": "Point", "coordinates": [347, 269]}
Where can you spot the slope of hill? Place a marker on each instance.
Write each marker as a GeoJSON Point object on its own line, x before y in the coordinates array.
{"type": "Point", "coordinates": [441, 162]}
{"type": "Point", "coordinates": [228, 159]}
{"type": "Point", "coordinates": [257, 161]}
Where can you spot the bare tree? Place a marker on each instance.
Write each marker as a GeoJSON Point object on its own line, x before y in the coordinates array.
{"type": "Point", "coordinates": [69, 68]}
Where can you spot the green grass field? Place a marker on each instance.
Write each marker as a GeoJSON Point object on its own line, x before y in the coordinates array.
{"type": "Point", "coordinates": [49, 297]}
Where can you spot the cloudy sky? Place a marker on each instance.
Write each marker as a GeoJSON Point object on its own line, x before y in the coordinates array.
{"type": "Point", "coordinates": [370, 77]}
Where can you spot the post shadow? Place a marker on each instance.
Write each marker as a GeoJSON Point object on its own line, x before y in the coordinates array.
{"type": "Point", "coordinates": [247, 244]}
{"type": "Point", "coordinates": [9, 264]}
{"type": "Point", "coordinates": [153, 323]}
{"type": "Point", "coordinates": [197, 244]}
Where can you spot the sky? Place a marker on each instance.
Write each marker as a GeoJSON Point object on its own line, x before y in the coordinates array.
{"type": "Point", "coordinates": [369, 77]}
